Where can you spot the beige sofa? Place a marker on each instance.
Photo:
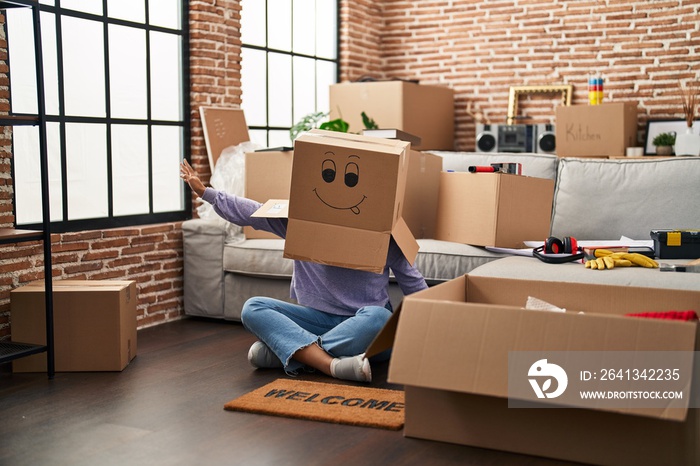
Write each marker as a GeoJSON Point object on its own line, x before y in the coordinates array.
{"type": "Point", "coordinates": [594, 199]}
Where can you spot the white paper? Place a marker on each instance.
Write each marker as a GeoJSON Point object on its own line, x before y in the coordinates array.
{"type": "Point", "coordinates": [622, 242]}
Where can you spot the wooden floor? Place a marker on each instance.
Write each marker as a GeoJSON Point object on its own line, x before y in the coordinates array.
{"type": "Point", "coordinates": [166, 408]}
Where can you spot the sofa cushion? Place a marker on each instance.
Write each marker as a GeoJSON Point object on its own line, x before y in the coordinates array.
{"type": "Point", "coordinates": [604, 199]}
{"type": "Point", "coordinates": [537, 165]}
{"type": "Point", "coordinates": [257, 257]}
{"type": "Point", "coordinates": [437, 260]}
{"type": "Point", "coordinates": [530, 268]}
{"type": "Point", "coordinates": [440, 261]}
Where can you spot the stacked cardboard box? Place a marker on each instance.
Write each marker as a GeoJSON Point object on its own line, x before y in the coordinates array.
{"type": "Point", "coordinates": [604, 130]}
{"type": "Point", "coordinates": [426, 111]}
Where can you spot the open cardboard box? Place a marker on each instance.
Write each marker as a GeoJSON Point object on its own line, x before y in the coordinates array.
{"type": "Point", "coordinates": [451, 347]}
{"type": "Point", "coordinates": [346, 201]}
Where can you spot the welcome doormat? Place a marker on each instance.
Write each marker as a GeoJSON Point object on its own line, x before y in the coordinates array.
{"type": "Point", "coordinates": [340, 404]}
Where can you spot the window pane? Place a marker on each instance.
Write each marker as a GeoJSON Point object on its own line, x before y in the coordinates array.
{"type": "Point", "coordinates": [253, 84]}
{"type": "Point", "coordinates": [259, 137]}
{"type": "Point", "coordinates": [49, 48]}
{"type": "Point", "coordinates": [27, 181]}
{"type": "Point", "coordinates": [88, 6]}
{"type": "Point", "coordinates": [279, 27]}
{"type": "Point", "coordinates": [86, 162]}
{"type": "Point", "coordinates": [21, 54]}
{"type": "Point", "coordinates": [165, 13]}
{"type": "Point", "coordinates": [130, 169]}
{"type": "Point", "coordinates": [280, 138]}
{"type": "Point", "coordinates": [130, 10]}
{"type": "Point", "coordinates": [127, 69]}
{"type": "Point", "coordinates": [253, 22]}
{"type": "Point", "coordinates": [304, 26]}
{"type": "Point", "coordinates": [166, 96]}
{"type": "Point", "coordinates": [304, 87]}
{"type": "Point", "coordinates": [280, 90]}
{"type": "Point", "coordinates": [326, 29]}
{"type": "Point", "coordinates": [326, 74]}
{"type": "Point", "coordinates": [83, 67]}
{"type": "Point", "coordinates": [168, 188]}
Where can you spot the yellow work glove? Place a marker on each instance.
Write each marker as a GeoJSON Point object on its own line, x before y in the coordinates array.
{"type": "Point", "coordinates": [606, 259]}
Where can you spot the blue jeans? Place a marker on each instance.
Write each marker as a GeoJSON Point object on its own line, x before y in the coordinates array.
{"type": "Point", "coordinates": [286, 328]}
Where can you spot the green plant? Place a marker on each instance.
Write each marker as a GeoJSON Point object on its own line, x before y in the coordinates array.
{"type": "Point", "coordinates": [664, 139]}
{"type": "Point", "coordinates": [306, 123]}
{"type": "Point", "coordinates": [368, 122]}
{"type": "Point", "coordinates": [311, 121]}
{"type": "Point", "coordinates": [338, 124]}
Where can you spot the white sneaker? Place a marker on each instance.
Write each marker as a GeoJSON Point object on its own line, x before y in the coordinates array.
{"type": "Point", "coordinates": [262, 357]}
{"type": "Point", "coordinates": [355, 368]}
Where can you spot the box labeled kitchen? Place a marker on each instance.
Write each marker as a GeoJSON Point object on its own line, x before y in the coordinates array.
{"type": "Point", "coordinates": [604, 130]}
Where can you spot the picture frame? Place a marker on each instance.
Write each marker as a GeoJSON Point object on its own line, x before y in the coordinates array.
{"type": "Point", "coordinates": [656, 127]}
{"type": "Point", "coordinates": [566, 90]}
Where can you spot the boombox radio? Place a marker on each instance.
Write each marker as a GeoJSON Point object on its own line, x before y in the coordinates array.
{"type": "Point", "coordinates": [515, 138]}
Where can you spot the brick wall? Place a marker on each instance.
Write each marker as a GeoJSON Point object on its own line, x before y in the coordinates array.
{"type": "Point", "coordinates": [481, 48]}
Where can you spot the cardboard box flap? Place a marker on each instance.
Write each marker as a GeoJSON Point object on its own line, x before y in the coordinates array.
{"type": "Point", "coordinates": [77, 285]}
{"type": "Point", "coordinates": [223, 127]}
{"type": "Point", "coordinates": [355, 140]}
{"type": "Point", "coordinates": [464, 346]}
{"type": "Point", "coordinates": [384, 340]}
{"type": "Point", "coordinates": [405, 240]}
{"type": "Point", "coordinates": [350, 248]}
{"type": "Point", "coordinates": [273, 208]}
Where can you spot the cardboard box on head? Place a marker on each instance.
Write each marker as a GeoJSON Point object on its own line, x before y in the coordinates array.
{"type": "Point", "coordinates": [346, 200]}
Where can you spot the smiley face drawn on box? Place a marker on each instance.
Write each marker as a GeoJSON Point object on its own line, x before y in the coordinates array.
{"type": "Point", "coordinates": [332, 193]}
{"type": "Point", "coordinates": [342, 182]}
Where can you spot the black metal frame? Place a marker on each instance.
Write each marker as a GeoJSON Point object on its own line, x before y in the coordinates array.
{"type": "Point", "coordinates": [112, 221]}
{"type": "Point", "coordinates": [15, 350]}
{"type": "Point", "coordinates": [292, 54]}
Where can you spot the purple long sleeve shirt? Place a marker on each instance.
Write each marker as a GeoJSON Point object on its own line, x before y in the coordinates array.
{"type": "Point", "coordinates": [334, 290]}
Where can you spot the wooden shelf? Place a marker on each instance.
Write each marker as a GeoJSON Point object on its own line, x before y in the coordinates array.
{"type": "Point", "coordinates": [13, 235]}
{"type": "Point", "coordinates": [19, 120]}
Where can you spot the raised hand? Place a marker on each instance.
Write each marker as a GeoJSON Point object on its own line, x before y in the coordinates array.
{"type": "Point", "coordinates": [190, 177]}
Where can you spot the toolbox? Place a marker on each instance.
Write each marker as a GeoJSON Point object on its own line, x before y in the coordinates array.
{"type": "Point", "coordinates": [676, 244]}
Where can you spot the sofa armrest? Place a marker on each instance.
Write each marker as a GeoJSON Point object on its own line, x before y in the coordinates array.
{"type": "Point", "coordinates": [203, 250]}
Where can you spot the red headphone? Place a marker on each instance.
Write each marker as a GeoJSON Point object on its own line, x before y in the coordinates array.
{"type": "Point", "coordinates": [552, 245]}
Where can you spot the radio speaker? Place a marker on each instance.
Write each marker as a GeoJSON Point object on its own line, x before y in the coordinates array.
{"type": "Point", "coordinates": [546, 141]}
{"type": "Point", "coordinates": [486, 138]}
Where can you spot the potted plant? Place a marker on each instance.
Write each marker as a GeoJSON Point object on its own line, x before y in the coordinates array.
{"type": "Point", "coordinates": [664, 143]}
{"type": "Point", "coordinates": [688, 143]}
